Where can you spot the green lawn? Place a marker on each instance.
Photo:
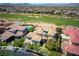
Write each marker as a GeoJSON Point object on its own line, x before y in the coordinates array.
{"type": "Point", "coordinates": [47, 18]}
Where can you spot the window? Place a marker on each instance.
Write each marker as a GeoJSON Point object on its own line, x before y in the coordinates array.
{"type": "Point", "coordinates": [77, 44]}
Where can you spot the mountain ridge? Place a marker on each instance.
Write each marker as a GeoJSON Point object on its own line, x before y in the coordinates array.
{"type": "Point", "coordinates": [42, 4]}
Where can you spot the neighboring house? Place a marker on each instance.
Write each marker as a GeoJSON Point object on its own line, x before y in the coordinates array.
{"type": "Point", "coordinates": [5, 23]}
{"type": "Point", "coordinates": [35, 38]}
{"type": "Point", "coordinates": [15, 27]}
{"type": "Point", "coordinates": [19, 34]}
{"type": "Point", "coordinates": [57, 12]}
{"type": "Point", "coordinates": [6, 36]}
{"type": "Point", "coordinates": [11, 31]}
{"type": "Point", "coordinates": [72, 48]}
{"type": "Point", "coordinates": [17, 30]}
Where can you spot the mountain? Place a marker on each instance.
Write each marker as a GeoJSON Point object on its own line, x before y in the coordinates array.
{"type": "Point", "coordinates": [14, 4]}
{"type": "Point", "coordinates": [42, 4]}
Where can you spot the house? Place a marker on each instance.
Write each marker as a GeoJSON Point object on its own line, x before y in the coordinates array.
{"type": "Point", "coordinates": [15, 27]}
{"type": "Point", "coordinates": [19, 34]}
{"type": "Point", "coordinates": [9, 31]}
{"type": "Point", "coordinates": [5, 23]}
{"type": "Point", "coordinates": [72, 47]}
{"type": "Point", "coordinates": [7, 36]}
{"type": "Point", "coordinates": [35, 38]}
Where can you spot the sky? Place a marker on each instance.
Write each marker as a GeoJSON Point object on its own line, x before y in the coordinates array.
{"type": "Point", "coordinates": [39, 1]}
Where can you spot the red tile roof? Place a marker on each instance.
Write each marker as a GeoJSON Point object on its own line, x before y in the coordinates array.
{"type": "Point", "coordinates": [73, 33]}
{"type": "Point", "coordinates": [72, 49]}
{"type": "Point", "coordinates": [74, 37]}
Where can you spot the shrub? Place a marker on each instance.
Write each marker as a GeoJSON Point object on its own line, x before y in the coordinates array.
{"type": "Point", "coordinates": [50, 44]}
{"type": "Point", "coordinates": [43, 51]}
{"type": "Point", "coordinates": [3, 44]}
{"type": "Point", "coordinates": [57, 46]}
{"type": "Point", "coordinates": [34, 46]}
{"type": "Point", "coordinates": [18, 42]}
{"type": "Point", "coordinates": [54, 53]}
{"type": "Point", "coordinates": [53, 45]}
{"type": "Point", "coordinates": [6, 53]}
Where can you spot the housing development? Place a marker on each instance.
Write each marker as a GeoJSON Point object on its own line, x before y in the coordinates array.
{"type": "Point", "coordinates": [39, 30]}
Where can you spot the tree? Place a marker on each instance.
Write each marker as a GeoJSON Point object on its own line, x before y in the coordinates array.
{"type": "Point", "coordinates": [59, 30]}
{"type": "Point", "coordinates": [56, 36]}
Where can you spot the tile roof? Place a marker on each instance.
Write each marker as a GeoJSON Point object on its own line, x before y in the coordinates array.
{"type": "Point", "coordinates": [5, 35]}
{"type": "Point", "coordinates": [16, 27]}
{"type": "Point", "coordinates": [74, 38]}
{"type": "Point", "coordinates": [18, 34]}
{"type": "Point", "coordinates": [72, 49]}
{"type": "Point", "coordinates": [34, 36]}
{"type": "Point", "coordinates": [73, 33]}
